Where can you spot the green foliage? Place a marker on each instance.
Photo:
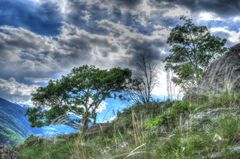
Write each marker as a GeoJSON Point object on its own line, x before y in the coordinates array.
{"type": "Point", "coordinates": [153, 122]}
{"type": "Point", "coordinates": [191, 145]}
{"type": "Point", "coordinates": [142, 111]}
{"type": "Point", "coordinates": [170, 116]}
{"type": "Point", "coordinates": [226, 100]}
{"type": "Point", "coordinates": [44, 149]}
{"type": "Point", "coordinates": [80, 93]}
{"type": "Point", "coordinates": [228, 127]}
{"type": "Point", "coordinates": [193, 48]}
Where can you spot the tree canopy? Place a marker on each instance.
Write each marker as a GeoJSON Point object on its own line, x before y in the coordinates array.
{"type": "Point", "coordinates": [78, 94]}
{"type": "Point", "coordinates": [193, 49]}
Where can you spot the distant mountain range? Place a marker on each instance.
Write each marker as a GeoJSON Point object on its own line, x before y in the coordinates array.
{"type": "Point", "coordinates": [15, 128]}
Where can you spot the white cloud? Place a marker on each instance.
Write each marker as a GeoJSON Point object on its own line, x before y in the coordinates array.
{"type": "Point", "coordinates": [16, 91]}
{"type": "Point", "coordinates": [101, 107]}
{"type": "Point", "coordinates": [237, 19]}
{"type": "Point", "coordinates": [37, 79]}
{"type": "Point", "coordinates": [16, 88]}
{"type": "Point", "coordinates": [110, 119]}
{"type": "Point", "coordinates": [161, 89]}
{"type": "Point", "coordinates": [176, 12]}
{"type": "Point", "coordinates": [234, 36]}
{"type": "Point", "coordinates": [207, 16]}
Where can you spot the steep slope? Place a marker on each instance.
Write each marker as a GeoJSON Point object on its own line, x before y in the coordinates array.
{"type": "Point", "coordinates": [14, 126]}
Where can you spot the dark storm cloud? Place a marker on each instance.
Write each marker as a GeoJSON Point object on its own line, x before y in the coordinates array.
{"type": "Point", "coordinates": [24, 54]}
{"type": "Point", "coordinates": [41, 18]}
{"type": "Point", "coordinates": [87, 14]}
{"type": "Point", "coordinates": [91, 15]}
{"type": "Point", "coordinates": [149, 48]}
{"type": "Point", "coordinates": [136, 44]}
{"type": "Point", "coordinates": [100, 32]}
{"type": "Point", "coordinates": [100, 16]}
{"type": "Point", "coordinates": [129, 3]}
{"type": "Point", "coordinates": [27, 58]}
{"type": "Point", "coordinates": [221, 7]}
{"type": "Point", "coordinates": [80, 11]}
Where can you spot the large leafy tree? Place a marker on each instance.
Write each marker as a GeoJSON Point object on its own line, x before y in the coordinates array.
{"type": "Point", "coordinates": [193, 49]}
{"type": "Point", "coordinates": [78, 94]}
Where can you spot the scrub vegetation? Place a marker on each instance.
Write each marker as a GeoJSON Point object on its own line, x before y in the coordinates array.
{"type": "Point", "coordinates": [177, 129]}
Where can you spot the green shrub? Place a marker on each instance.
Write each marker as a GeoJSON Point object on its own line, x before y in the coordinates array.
{"type": "Point", "coordinates": [150, 123]}
{"type": "Point", "coordinates": [170, 116]}
{"type": "Point", "coordinates": [228, 127]}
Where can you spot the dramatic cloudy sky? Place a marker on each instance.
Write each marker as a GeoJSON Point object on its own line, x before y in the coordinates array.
{"type": "Point", "coordinates": [44, 39]}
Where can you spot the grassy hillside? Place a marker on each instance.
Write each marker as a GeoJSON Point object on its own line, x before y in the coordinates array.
{"type": "Point", "coordinates": [200, 128]}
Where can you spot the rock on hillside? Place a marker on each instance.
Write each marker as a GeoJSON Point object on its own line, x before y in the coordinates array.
{"type": "Point", "coordinates": [7, 153]}
{"type": "Point", "coordinates": [224, 74]}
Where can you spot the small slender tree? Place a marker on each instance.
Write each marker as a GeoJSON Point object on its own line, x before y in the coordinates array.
{"type": "Point", "coordinates": [79, 93]}
{"type": "Point", "coordinates": [193, 49]}
{"type": "Point", "coordinates": [145, 79]}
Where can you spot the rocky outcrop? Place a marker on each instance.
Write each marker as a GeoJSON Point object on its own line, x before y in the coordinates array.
{"type": "Point", "coordinates": [204, 120]}
{"type": "Point", "coordinates": [224, 74]}
{"type": "Point", "coordinates": [7, 153]}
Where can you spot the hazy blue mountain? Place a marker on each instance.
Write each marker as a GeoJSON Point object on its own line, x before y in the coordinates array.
{"type": "Point", "coordinates": [15, 127]}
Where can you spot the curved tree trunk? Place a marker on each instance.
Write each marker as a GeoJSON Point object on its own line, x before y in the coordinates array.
{"type": "Point", "coordinates": [94, 118]}
{"type": "Point", "coordinates": [85, 121]}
